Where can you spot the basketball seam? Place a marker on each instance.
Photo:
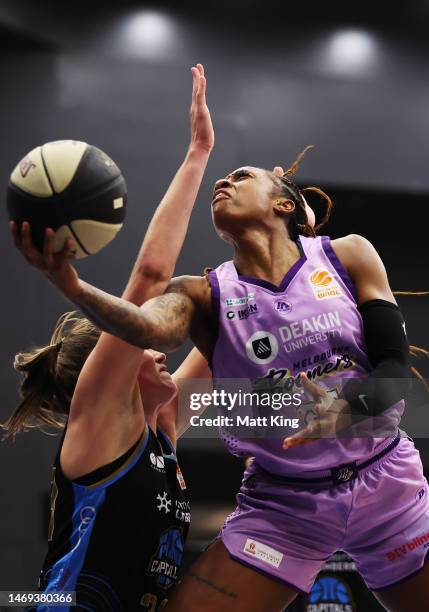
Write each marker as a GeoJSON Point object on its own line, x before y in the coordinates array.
{"type": "Point", "coordinates": [77, 239]}
{"type": "Point", "coordinates": [99, 189]}
{"type": "Point", "coordinates": [46, 171]}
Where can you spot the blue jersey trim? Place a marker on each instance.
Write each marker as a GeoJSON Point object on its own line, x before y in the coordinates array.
{"type": "Point", "coordinates": [169, 444]}
{"type": "Point", "coordinates": [63, 575]}
{"type": "Point", "coordinates": [126, 467]}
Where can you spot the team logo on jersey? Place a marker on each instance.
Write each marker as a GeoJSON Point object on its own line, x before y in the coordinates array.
{"type": "Point", "coordinates": [329, 592]}
{"type": "Point", "coordinates": [166, 561]}
{"type": "Point", "coordinates": [262, 347]}
{"type": "Point", "coordinates": [241, 301]}
{"type": "Point", "coordinates": [230, 315]}
{"type": "Point", "coordinates": [283, 307]}
{"type": "Point", "coordinates": [324, 284]}
{"type": "Point", "coordinates": [164, 502]}
{"type": "Point", "coordinates": [157, 462]}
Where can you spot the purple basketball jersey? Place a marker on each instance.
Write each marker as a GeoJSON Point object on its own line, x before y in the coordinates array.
{"type": "Point", "coordinates": [309, 323]}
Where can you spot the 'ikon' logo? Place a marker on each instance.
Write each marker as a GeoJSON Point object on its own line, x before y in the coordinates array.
{"type": "Point", "coordinates": [250, 309]}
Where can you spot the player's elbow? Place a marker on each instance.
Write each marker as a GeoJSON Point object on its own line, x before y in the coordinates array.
{"type": "Point", "coordinates": [153, 272]}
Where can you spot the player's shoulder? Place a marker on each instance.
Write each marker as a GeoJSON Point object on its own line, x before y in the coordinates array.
{"type": "Point", "coordinates": [351, 242]}
{"type": "Point", "coordinates": [353, 248]}
{"type": "Point", "coordinates": [357, 255]}
{"type": "Point", "coordinates": [195, 287]}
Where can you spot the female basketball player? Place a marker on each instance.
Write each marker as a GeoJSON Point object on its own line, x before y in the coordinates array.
{"type": "Point", "coordinates": [318, 307]}
{"type": "Point", "coordinates": [119, 505]}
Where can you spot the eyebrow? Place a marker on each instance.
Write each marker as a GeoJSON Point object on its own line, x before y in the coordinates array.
{"type": "Point", "coordinates": [239, 172]}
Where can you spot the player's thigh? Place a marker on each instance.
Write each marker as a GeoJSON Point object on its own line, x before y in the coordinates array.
{"type": "Point", "coordinates": [217, 582]}
{"type": "Point", "coordinates": [412, 595]}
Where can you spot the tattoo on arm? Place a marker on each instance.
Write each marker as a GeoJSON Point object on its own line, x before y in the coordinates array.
{"type": "Point", "coordinates": [212, 585]}
{"type": "Point", "coordinates": [162, 323]}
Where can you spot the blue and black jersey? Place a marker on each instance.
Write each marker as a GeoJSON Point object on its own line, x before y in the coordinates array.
{"type": "Point", "coordinates": [117, 535]}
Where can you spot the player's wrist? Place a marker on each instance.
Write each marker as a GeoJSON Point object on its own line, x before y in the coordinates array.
{"type": "Point", "coordinates": [198, 153]}
{"type": "Point", "coordinates": [71, 288]}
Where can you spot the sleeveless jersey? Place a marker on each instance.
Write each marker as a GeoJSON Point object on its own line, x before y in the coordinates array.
{"type": "Point", "coordinates": [309, 323]}
{"type": "Point", "coordinates": [117, 535]}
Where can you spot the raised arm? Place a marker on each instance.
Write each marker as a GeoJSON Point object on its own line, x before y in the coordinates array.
{"type": "Point", "coordinates": [164, 323]}
{"type": "Point", "coordinates": [167, 230]}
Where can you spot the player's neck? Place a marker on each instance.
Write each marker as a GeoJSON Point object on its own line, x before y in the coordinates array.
{"type": "Point", "coordinates": [265, 256]}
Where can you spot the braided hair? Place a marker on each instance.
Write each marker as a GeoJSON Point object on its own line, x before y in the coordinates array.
{"type": "Point", "coordinates": [298, 221]}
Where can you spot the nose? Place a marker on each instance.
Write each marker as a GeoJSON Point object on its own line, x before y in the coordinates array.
{"type": "Point", "coordinates": [222, 184]}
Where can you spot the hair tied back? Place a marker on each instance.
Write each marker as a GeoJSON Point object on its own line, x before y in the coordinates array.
{"type": "Point", "coordinates": [294, 167]}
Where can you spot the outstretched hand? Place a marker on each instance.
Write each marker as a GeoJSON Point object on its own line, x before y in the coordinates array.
{"type": "Point", "coordinates": [202, 134]}
{"type": "Point", "coordinates": [55, 266]}
{"type": "Point", "coordinates": [332, 415]}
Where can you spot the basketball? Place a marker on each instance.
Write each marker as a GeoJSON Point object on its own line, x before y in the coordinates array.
{"type": "Point", "coordinates": [73, 188]}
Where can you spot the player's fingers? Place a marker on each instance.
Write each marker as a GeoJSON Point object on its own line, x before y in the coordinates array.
{"type": "Point", "coordinates": [68, 251]}
{"type": "Point", "coordinates": [48, 245]}
{"type": "Point", "coordinates": [304, 436]}
{"type": "Point", "coordinates": [195, 79]}
{"type": "Point", "coordinates": [201, 69]}
{"type": "Point", "coordinates": [278, 171]}
{"type": "Point", "coordinates": [201, 93]}
{"type": "Point", "coordinates": [27, 245]}
{"type": "Point", "coordinates": [15, 235]}
{"type": "Point", "coordinates": [298, 439]}
{"type": "Point", "coordinates": [315, 390]}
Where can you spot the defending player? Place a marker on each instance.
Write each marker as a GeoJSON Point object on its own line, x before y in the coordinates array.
{"type": "Point", "coordinates": [119, 505]}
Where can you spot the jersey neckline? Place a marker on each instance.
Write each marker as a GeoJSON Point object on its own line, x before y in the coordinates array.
{"type": "Point", "coordinates": [287, 279]}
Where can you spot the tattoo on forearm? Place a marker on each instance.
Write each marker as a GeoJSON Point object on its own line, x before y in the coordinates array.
{"type": "Point", "coordinates": [162, 323]}
{"type": "Point", "coordinates": [213, 585]}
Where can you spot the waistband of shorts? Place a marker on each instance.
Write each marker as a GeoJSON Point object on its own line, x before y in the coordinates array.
{"type": "Point", "coordinates": [341, 473]}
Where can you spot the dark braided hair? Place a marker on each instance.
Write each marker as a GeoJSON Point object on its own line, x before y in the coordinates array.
{"type": "Point", "coordinates": [298, 221]}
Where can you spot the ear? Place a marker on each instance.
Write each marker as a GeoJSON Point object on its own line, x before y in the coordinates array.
{"type": "Point", "coordinates": [283, 206]}
{"type": "Point", "coordinates": [278, 171]}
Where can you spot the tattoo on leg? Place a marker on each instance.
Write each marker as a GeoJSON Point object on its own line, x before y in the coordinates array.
{"type": "Point", "coordinates": [213, 585]}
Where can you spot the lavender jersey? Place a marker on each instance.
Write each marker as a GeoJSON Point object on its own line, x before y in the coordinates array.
{"type": "Point", "coordinates": [310, 323]}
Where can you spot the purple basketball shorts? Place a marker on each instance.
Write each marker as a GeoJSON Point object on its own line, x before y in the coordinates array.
{"type": "Point", "coordinates": [380, 518]}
